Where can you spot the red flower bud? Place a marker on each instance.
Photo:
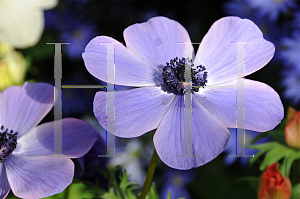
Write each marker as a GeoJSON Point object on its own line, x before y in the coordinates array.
{"type": "Point", "coordinates": [273, 185]}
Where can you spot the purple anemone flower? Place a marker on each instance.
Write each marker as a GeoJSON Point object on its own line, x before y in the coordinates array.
{"type": "Point", "coordinates": [26, 164]}
{"type": "Point", "coordinates": [149, 62]}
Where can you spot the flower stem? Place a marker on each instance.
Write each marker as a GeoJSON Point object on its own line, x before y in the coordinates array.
{"type": "Point", "coordinates": [149, 176]}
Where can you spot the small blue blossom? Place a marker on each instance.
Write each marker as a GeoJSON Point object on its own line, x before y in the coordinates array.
{"type": "Point", "coordinates": [291, 82]}
{"type": "Point", "coordinates": [271, 8]}
{"type": "Point", "coordinates": [176, 182]}
{"type": "Point", "coordinates": [296, 21]}
{"type": "Point", "coordinates": [78, 36]}
{"type": "Point", "coordinates": [239, 8]}
{"type": "Point", "coordinates": [290, 49]}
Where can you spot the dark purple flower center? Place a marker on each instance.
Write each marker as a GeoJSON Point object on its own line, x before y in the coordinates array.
{"type": "Point", "coordinates": [8, 142]}
{"type": "Point", "coordinates": [173, 74]}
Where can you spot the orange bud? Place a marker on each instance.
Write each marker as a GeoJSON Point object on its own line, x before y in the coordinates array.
{"type": "Point", "coordinates": [292, 129]}
{"type": "Point", "coordinates": [273, 186]}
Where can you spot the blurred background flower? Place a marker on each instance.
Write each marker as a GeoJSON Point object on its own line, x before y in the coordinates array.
{"type": "Point", "coordinates": [22, 22]}
{"type": "Point", "coordinates": [272, 8]}
{"type": "Point", "coordinates": [176, 182]}
{"type": "Point", "coordinates": [78, 36]}
{"type": "Point", "coordinates": [12, 67]}
{"type": "Point", "coordinates": [68, 20]}
{"type": "Point", "coordinates": [131, 161]}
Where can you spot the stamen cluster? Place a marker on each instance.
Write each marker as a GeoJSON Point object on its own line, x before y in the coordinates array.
{"type": "Point", "coordinates": [174, 71]}
{"type": "Point", "coordinates": [8, 143]}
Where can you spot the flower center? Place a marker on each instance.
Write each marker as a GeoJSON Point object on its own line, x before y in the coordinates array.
{"type": "Point", "coordinates": [8, 142]}
{"type": "Point", "coordinates": [174, 71]}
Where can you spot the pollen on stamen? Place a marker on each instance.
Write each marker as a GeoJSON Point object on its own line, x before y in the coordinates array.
{"type": "Point", "coordinates": [173, 74]}
{"type": "Point", "coordinates": [8, 142]}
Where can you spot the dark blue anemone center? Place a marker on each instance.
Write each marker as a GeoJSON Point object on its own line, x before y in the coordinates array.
{"type": "Point", "coordinates": [173, 73]}
{"type": "Point", "coordinates": [8, 143]}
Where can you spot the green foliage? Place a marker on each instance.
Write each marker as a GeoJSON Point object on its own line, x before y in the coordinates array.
{"type": "Point", "coordinates": [169, 195]}
{"type": "Point", "coordinates": [276, 151]}
{"type": "Point", "coordinates": [296, 192]}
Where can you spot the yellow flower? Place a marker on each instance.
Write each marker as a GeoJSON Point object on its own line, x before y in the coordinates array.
{"type": "Point", "coordinates": [12, 67]}
{"type": "Point", "coordinates": [22, 21]}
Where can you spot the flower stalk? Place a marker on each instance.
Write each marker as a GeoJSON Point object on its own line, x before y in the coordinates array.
{"type": "Point", "coordinates": [149, 176]}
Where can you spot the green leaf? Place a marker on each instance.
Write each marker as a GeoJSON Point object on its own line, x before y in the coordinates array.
{"type": "Point", "coordinates": [152, 194]}
{"type": "Point", "coordinates": [276, 151]}
{"type": "Point", "coordinates": [263, 147]}
{"type": "Point", "coordinates": [296, 192]}
{"type": "Point", "coordinates": [274, 155]}
{"type": "Point", "coordinates": [169, 195]}
{"type": "Point", "coordinates": [110, 194]}
{"type": "Point", "coordinates": [287, 163]}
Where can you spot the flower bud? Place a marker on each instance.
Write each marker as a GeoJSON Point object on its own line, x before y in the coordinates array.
{"type": "Point", "coordinates": [273, 185]}
{"type": "Point", "coordinates": [292, 129]}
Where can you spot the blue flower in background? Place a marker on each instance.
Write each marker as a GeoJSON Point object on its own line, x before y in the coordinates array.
{"type": "Point", "coordinates": [232, 145]}
{"type": "Point", "coordinates": [69, 21]}
{"type": "Point", "coordinates": [79, 36]}
{"type": "Point", "coordinates": [239, 8]}
{"type": "Point", "coordinates": [291, 82]}
{"type": "Point", "coordinates": [176, 181]}
{"type": "Point", "coordinates": [296, 21]}
{"type": "Point", "coordinates": [290, 49]}
{"type": "Point", "coordinates": [271, 8]}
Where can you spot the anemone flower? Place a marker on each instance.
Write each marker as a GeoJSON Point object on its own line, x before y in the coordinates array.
{"type": "Point", "coordinates": [26, 164]}
{"type": "Point", "coordinates": [22, 22]}
{"type": "Point", "coordinates": [149, 62]}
